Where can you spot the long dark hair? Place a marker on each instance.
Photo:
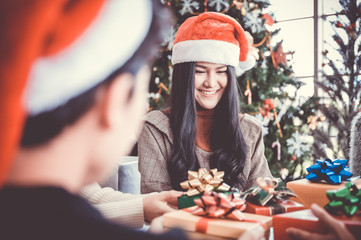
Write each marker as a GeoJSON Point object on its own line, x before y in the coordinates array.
{"type": "Point", "coordinates": [227, 142]}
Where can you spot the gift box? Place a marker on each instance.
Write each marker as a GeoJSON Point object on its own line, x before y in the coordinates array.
{"type": "Point", "coordinates": [274, 207]}
{"type": "Point", "coordinates": [185, 201]}
{"type": "Point", "coordinates": [331, 172]}
{"type": "Point", "coordinates": [270, 197]}
{"type": "Point", "coordinates": [305, 220]}
{"type": "Point", "coordinates": [199, 182]}
{"type": "Point", "coordinates": [308, 192]}
{"type": "Point", "coordinates": [199, 227]}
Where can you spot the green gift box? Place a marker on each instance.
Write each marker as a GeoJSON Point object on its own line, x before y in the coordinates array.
{"type": "Point", "coordinates": [261, 197]}
{"type": "Point", "coordinates": [185, 201]}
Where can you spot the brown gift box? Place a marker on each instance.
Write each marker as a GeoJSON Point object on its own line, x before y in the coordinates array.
{"type": "Point", "coordinates": [305, 220]}
{"type": "Point", "coordinates": [277, 207]}
{"type": "Point", "coordinates": [309, 192]}
{"type": "Point", "coordinates": [216, 228]}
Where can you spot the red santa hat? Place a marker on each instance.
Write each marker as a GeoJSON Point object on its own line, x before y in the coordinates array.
{"type": "Point", "coordinates": [212, 37]}
{"type": "Point", "coordinates": [52, 51]}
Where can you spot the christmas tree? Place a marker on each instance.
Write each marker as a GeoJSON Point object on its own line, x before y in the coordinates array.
{"type": "Point", "coordinates": [340, 83]}
{"type": "Point", "coordinates": [262, 88]}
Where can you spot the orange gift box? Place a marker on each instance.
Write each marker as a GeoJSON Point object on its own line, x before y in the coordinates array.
{"type": "Point", "coordinates": [309, 192]}
{"type": "Point", "coordinates": [273, 208]}
{"type": "Point", "coordinates": [199, 227]}
{"type": "Point", "coordinates": [305, 220]}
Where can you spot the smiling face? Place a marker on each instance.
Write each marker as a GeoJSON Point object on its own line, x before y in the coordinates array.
{"type": "Point", "coordinates": [210, 81]}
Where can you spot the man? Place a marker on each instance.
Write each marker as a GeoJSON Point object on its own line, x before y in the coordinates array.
{"type": "Point", "coordinates": [84, 67]}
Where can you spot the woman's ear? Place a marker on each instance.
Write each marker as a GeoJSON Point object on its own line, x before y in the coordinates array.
{"type": "Point", "coordinates": [114, 99]}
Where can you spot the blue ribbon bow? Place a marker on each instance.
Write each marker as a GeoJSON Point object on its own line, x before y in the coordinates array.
{"type": "Point", "coordinates": [332, 172]}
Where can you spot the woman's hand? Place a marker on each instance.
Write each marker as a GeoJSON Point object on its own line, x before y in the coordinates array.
{"type": "Point", "coordinates": [336, 229]}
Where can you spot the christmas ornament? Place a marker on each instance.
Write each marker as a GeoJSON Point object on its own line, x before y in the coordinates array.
{"type": "Point", "coordinates": [166, 2]}
{"type": "Point", "coordinates": [267, 107]}
{"type": "Point", "coordinates": [332, 172]}
{"type": "Point", "coordinates": [160, 86]}
{"type": "Point", "coordinates": [243, 11]}
{"type": "Point", "coordinates": [253, 21]}
{"type": "Point", "coordinates": [285, 105]}
{"type": "Point", "coordinates": [188, 6]}
{"type": "Point", "coordinates": [169, 39]}
{"type": "Point", "coordinates": [253, 51]}
{"type": "Point", "coordinates": [204, 180]}
{"type": "Point", "coordinates": [346, 200]}
{"type": "Point", "coordinates": [218, 5]}
{"type": "Point", "coordinates": [297, 144]}
{"type": "Point", "coordinates": [278, 57]}
{"type": "Point", "coordinates": [248, 93]}
{"type": "Point", "coordinates": [238, 4]}
{"type": "Point", "coordinates": [268, 19]}
{"type": "Point", "coordinates": [278, 145]}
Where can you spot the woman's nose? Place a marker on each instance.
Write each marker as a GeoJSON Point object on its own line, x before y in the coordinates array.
{"type": "Point", "coordinates": [211, 80]}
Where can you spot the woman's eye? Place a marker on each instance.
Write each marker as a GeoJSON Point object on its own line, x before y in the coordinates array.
{"type": "Point", "coordinates": [197, 71]}
{"type": "Point", "coordinates": [222, 72]}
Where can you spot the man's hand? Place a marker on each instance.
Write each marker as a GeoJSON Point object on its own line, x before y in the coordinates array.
{"type": "Point", "coordinates": [156, 204]}
{"type": "Point", "coordinates": [336, 229]}
{"type": "Point", "coordinates": [254, 234]}
{"type": "Point", "coordinates": [156, 226]}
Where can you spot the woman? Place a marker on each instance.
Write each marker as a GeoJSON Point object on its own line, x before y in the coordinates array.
{"type": "Point", "coordinates": [203, 126]}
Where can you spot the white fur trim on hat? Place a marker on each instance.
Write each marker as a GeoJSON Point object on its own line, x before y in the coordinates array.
{"type": "Point", "coordinates": [248, 64]}
{"type": "Point", "coordinates": [109, 41]}
{"type": "Point", "coordinates": [205, 50]}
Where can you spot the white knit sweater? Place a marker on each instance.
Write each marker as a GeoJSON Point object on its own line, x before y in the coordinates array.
{"type": "Point", "coordinates": [122, 208]}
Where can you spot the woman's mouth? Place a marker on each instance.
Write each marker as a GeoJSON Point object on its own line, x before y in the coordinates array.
{"type": "Point", "coordinates": [207, 92]}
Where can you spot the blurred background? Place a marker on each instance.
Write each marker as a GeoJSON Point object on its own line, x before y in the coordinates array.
{"type": "Point", "coordinates": [305, 87]}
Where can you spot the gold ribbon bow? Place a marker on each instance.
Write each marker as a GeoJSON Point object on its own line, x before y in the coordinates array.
{"type": "Point", "coordinates": [268, 184]}
{"type": "Point", "coordinates": [204, 180]}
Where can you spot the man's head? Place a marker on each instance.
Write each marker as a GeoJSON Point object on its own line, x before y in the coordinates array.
{"type": "Point", "coordinates": [99, 97]}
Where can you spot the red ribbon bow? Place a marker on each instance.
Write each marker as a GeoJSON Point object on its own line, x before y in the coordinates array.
{"type": "Point", "coordinates": [216, 205]}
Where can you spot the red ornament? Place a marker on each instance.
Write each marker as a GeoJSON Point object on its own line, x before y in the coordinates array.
{"type": "Point", "coordinates": [279, 57]}
{"type": "Point", "coordinates": [267, 107]}
{"type": "Point", "coordinates": [339, 24]}
{"type": "Point", "coordinates": [268, 19]}
{"type": "Point", "coordinates": [350, 27]}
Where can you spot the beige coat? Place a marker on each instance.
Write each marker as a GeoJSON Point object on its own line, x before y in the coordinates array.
{"type": "Point", "coordinates": [155, 146]}
{"type": "Point", "coordinates": [115, 206]}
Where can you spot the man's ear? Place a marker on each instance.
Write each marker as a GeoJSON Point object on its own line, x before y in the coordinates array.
{"type": "Point", "coordinates": [114, 99]}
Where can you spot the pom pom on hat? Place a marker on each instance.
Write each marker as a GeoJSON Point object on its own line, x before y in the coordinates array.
{"type": "Point", "coordinates": [52, 51]}
{"type": "Point", "coordinates": [212, 37]}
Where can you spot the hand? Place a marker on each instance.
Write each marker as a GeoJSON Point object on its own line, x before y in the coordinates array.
{"type": "Point", "coordinates": [156, 226]}
{"type": "Point", "coordinates": [156, 204]}
{"type": "Point", "coordinates": [254, 234]}
{"type": "Point", "coordinates": [336, 229]}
